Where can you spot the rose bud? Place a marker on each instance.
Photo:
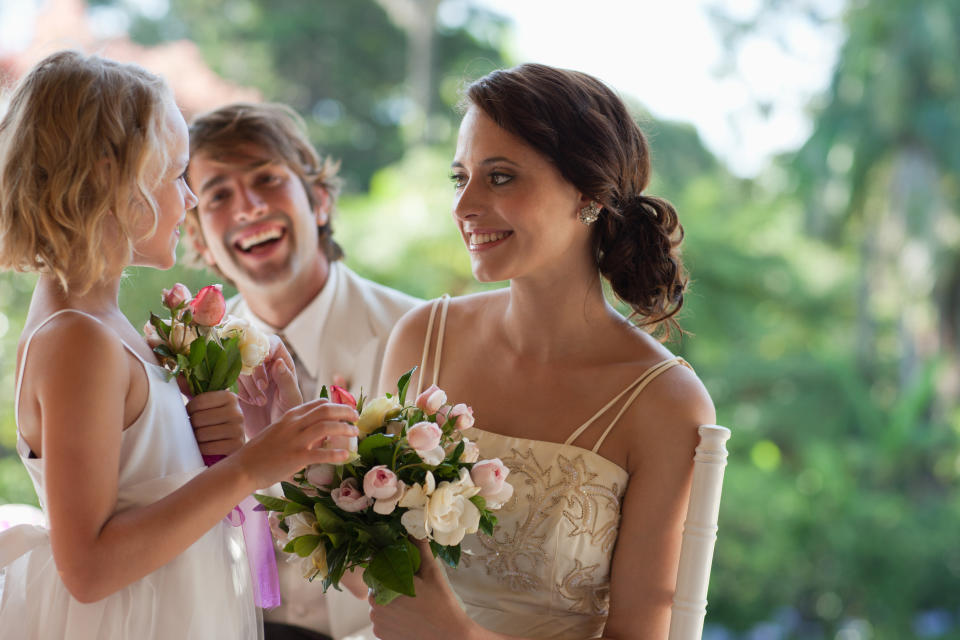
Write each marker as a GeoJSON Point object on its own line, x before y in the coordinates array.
{"type": "Point", "coordinates": [320, 475]}
{"type": "Point", "coordinates": [431, 400]}
{"type": "Point", "coordinates": [424, 436]}
{"type": "Point", "coordinates": [209, 306]}
{"type": "Point", "coordinates": [175, 296]}
{"type": "Point", "coordinates": [462, 413]}
{"type": "Point", "coordinates": [490, 476]}
{"type": "Point", "coordinates": [349, 497]}
{"type": "Point", "coordinates": [339, 395]}
{"type": "Point", "coordinates": [379, 482]}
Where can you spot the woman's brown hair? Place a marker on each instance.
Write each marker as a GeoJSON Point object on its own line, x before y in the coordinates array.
{"type": "Point", "coordinates": [587, 132]}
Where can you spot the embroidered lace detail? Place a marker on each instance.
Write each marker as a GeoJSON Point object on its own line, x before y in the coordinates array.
{"type": "Point", "coordinates": [556, 502]}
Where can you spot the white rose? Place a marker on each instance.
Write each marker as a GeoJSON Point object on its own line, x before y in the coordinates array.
{"type": "Point", "coordinates": [415, 499]}
{"type": "Point", "coordinates": [254, 344]}
{"type": "Point", "coordinates": [450, 514]}
{"type": "Point", "coordinates": [181, 336]}
{"type": "Point", "coordinates": [316, 561]}
{"type": "Point", "coordinates": [301, 524]}
{"type": "Point", "coordinates": [376, 412]}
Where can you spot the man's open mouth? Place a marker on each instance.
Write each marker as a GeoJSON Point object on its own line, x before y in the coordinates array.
{"type": "Point", "coordinates": [261, 240]}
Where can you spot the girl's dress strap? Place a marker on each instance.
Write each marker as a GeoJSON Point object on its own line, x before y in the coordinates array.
{"type": "Point", "coordinates": [26, 348]}
{"type": "Point", "coordinates": [444, 302]}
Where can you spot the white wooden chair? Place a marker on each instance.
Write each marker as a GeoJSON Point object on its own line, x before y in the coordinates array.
{"type": "Point", "coordinates": [699, 535]}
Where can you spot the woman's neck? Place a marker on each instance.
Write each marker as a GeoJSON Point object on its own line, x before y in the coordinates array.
{"type": "Point", "coordinates": [559, 317]}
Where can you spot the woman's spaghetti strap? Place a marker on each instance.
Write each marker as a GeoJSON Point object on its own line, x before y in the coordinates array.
{"type": "Point", "coordinates": [637, 386]}
{"type": "Point", "coordinates": [445, 301]}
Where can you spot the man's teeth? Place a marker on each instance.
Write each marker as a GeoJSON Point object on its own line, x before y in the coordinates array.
{"type": "Point", "coordinates": [264, 236]}
{"type": "Point", "coordinates": [484, 238]}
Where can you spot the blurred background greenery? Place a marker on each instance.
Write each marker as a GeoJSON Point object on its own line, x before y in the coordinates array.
{"type": "Point", "coordinates": [825, 304]}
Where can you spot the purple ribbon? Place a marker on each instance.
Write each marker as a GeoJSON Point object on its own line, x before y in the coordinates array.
{"type": "Point", "coordinates": [258, 540]}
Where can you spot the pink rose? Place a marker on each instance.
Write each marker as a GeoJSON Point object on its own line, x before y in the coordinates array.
{"type": "Point", "coordinates": [339, 395]}
{"type": "Point", "coordinates": [424, 436]}
{"type": "Point", "coordinates": [490, 476]}
{"type": "Point", "coordinates": [209, 306]}
{"type": "Point", "coordinates": [320, 475]}
{"type": "Point", "coordinates": [462, 413]}
{"type": "Point", "coordinates": [379, 482]}
{"type": "Point", "coordinates": [349, 497]}
{"type": "Point", "coordinates": [175, 296]}
{"type": "Point", "coordinates": [431, 400]}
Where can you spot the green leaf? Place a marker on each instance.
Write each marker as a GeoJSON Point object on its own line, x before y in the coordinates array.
{"type": "Point", "coordinates": [326, 518]}
{"type": "Point", "coordinates": [414, 552]}
{"type": "Point", "coordinates": [450, 555]}
{"type": "Point", "coordinates": [288, 548]}
{"type": "Point", "coordinates": [382, 594]}
{"type": "Point", "coordinates": [164, 351]}
{"type": "Point", "coordinates": [402, 385]}
{"type": "Point", "coordinates": [303, 546]}
{"type": "Point", "coordinates": [198, 349]}
{"type": "Point", "coordinates": [270, 502]}
{"type": "Point", "coordinates": [487, 522]}
{"type": "Point", "coordinates": [455, 458]}
{"type": "Point", "coordinates": [291, 508]}
{"type": "Point", "coordinates": [480, 502]}
{"type": "Point", "coordinates": [392, 567]}
{"type": "Point", "coordinates": [161, 326]}
{"type": "Point", "coordinates": [228, 356]}
{"type": "Point", "coordinates": [293, 492]}
{"type": "Point", "coordinates": [374, 441]}
{"type": "Point", "coordinates": [323, 393]}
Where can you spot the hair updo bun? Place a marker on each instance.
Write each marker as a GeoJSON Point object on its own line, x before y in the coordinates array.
{"type": "Point", "coordinates": [586, 130]}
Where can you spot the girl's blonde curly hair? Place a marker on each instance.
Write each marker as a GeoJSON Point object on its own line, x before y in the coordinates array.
{"type": "Point", "coordinates": [80, 152]}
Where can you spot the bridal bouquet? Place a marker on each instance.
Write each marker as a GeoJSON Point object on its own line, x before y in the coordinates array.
{"type": "Point", "coordinates": [210, 349]}
{"type": "Point", "coordinates": [413, 474]}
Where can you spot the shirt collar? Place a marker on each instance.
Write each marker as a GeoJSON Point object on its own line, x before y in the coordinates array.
{"type": "Point", "coordinates": [304, 333]}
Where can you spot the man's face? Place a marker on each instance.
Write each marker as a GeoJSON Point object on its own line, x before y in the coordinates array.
{"type": "Point", "coordinates": [257, 222]}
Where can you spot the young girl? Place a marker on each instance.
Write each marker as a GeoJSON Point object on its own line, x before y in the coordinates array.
{"type": "Point", "coordinates": [92, 156]}
{"type": "Point", "coordinates": [549, 178]}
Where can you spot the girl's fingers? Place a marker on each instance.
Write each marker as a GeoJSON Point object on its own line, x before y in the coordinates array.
{"type": "Point", "coordinates": [221, 431]}
{"type": "Point", "coordinates": [249, 392]}
{"type": "Point", "coordinates": [209, 400]}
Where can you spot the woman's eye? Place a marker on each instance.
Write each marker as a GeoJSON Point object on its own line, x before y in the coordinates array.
{"type": "Point", "coordinates": [458, 180]}
{"type": "Point", "coordinates": [268, 179]}
{"type": "Point", "coordinates": [500, 178]}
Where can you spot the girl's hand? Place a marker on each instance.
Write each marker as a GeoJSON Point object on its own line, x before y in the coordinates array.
{"type": "Point", "coordinates": [270, 390]}
{"type": "Point", "coordinates": [434, 614]}
{"type": "Point", "coordinates": [217, 422]}
{"type": "Point", "coordinates": [294, 441]}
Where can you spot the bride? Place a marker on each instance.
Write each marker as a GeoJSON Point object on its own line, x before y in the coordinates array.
{"type": "Point", "coordinates": [548, 180]}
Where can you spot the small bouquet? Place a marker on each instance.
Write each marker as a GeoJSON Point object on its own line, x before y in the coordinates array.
{"type": "Point", "coordinates": [210, 349]}
{"type": "Point", "coordinates": [413, 474]}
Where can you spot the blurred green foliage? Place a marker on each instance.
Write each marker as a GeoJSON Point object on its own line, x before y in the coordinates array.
{"type": "Point", "coordinates": [806, 324]}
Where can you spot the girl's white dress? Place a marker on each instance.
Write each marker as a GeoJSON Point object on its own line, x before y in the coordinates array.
{"type": "Point", "coordinates": [204, 593]}
{"type": "Point", "coordinates": [545, 573]}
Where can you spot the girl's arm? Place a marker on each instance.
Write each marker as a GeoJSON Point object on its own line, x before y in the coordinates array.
{"type": "Point", "coordinates": [80, 377]}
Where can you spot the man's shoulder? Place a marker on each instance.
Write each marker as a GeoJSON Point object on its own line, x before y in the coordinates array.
{"type": "Point", "coordinates": [385, 305]}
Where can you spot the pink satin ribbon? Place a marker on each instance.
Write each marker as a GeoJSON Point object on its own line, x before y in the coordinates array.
{"type": "Point", "coordinates": [259, 543]}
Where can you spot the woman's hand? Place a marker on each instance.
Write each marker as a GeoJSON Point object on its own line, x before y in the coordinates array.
{"type": "Point", "coordinates": [434, 614]}
{"type": "Point", "coordinates": [217, 422]}
{"type": "Point", "coordinates": [270, 390]}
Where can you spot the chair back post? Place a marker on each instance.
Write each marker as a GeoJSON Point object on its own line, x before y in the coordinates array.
{"type": "Point", "coordinates": [699, 535]}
